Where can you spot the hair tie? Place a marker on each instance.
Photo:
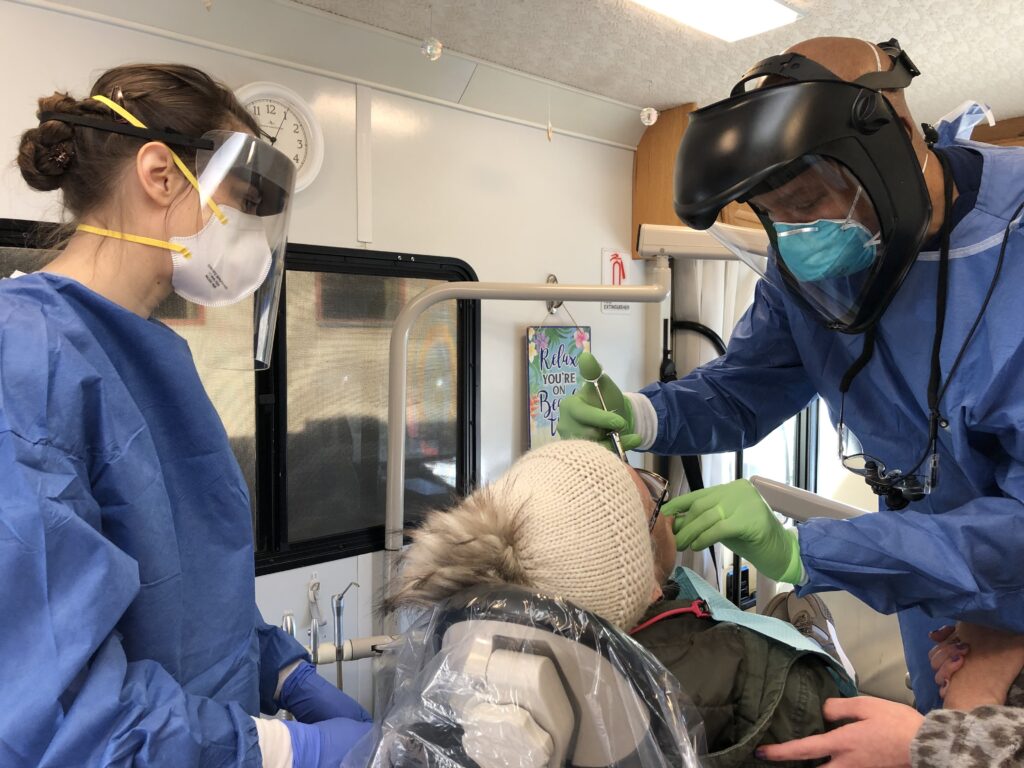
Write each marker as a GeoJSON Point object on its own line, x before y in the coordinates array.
{"type": "Point", "coordinates": [62, 158]}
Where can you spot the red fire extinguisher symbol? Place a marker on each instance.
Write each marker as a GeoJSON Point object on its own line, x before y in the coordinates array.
{"type": "Point", "coordinates": [618, 269]}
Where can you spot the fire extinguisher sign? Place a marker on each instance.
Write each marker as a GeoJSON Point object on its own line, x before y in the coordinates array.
{"type": "Point", "coordinates": [617, 268]}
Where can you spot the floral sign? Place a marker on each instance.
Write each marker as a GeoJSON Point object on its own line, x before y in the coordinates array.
{"type": "Point", "coordinates": [553, 354]}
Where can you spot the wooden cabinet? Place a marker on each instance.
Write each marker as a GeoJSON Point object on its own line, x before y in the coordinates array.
{"type": "Point", "coordinates": [654, 166]}
{"type": "Point", "coordinates": [740, 215]}
{"type": "Point", "coordinates": [653, 172]}
{"type": "Point", "coordinates": [1005, 133]}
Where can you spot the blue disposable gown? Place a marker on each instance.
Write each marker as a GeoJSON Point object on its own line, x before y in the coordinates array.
{"type": "Point", "coordinates": [130, 633]}
{"type": "Point", "coordinates": [956, 553]}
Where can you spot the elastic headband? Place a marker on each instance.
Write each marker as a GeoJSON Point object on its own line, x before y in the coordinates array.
{"type": "Point", "coordinates": [167, 137]}
{"type": "Point", "coordinates": [177, 160]}
{"type": "Point", "coordinates": [798, 68]}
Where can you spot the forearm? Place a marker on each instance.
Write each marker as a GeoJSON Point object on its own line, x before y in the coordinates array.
{"type": "Point", "coordinates": [988, 672]}
{"type": "Point", "coordinates": [953, 564]}
{"type": "Point", "coordinates": [716, 408]}
{"type": "Point", "coordinates": [279, 652]}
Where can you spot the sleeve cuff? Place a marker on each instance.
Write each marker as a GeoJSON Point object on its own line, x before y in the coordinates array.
{"type": "Point", "coordinates": [645, 419]}
{"type": "Point", "coordinates": [275, 743]}
{"type": "Point", "coordinates": [953, 739]}
{"type": "Point", "coordinates": [283, 675]}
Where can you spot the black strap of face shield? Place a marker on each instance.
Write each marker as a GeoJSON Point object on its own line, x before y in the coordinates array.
{"type": "Point", "coordinates": [787, 66]}
{"type": "Point", "coordinates": [935, 387]}
{"type": "Point", "coordinates": [794, 67]}
{"type": "Point", "coordinates": [167, 137]}
{"type": "Point", "coordinates": [899, 76]}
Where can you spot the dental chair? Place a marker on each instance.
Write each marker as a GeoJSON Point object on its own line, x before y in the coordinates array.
{"type": "Point", "coordinates": [512, 678]}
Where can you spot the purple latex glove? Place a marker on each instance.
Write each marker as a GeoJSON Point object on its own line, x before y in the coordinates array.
{"type": "Point", "coordinates": [324, 744]}
{"type": "Point", "coordinates": [312, 699]}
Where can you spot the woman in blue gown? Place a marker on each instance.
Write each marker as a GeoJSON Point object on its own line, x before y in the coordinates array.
{"type": "Point", "coordinates": [130, 631]}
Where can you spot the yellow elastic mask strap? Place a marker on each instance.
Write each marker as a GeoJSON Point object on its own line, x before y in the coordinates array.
{"type": "Point", "coordinates": [177, 160]}
{"type": "Point", "coordinates": [185, 252]}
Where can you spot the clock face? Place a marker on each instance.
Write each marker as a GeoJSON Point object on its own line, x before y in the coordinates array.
{"type": "Point", "coordinates": [288, 124]}
{"type": "Point", "coordinates": [283, 127]}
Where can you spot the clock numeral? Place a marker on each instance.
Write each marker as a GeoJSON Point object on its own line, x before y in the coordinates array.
{"type": "Point", "coordinates": [295, 128]}
{"type": "Point", "coordinates": [271, 109]}
{"type": "Point", "coordinates": [296, 159]}
{"type": "Point", "coordinates": [300, 144]}
{"type": "Point", "coordinates": [255, 110]}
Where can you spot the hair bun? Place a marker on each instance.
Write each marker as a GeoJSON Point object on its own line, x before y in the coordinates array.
{"type": "Point", "coordinates": [47, 151]}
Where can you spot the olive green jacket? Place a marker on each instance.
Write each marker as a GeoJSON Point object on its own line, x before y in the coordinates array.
{"type": "Point", "coordinates": [749, 688]}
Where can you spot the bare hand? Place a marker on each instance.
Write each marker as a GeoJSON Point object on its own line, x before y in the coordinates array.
{"type": "Point", "coordinates": [947, 657]}
{"type": "Point", "coordinates": [879, 737]}
{"type": "Point", "coordinates": [995, 661]}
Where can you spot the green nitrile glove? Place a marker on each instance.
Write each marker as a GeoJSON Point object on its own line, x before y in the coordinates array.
{"type": "Point", "coordinates": [581, 417]}
{"type": "Point", "coordinates": [736, 515]}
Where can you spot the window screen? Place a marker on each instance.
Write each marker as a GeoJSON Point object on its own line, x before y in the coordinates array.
{"type": "Point", "coordinates": [338, 335]}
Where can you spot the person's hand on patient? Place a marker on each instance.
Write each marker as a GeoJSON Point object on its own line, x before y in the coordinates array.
{"type": "Point", "coordinates": [879, 736]}
{"type": "Point", "coordinates": [974, 665]}
{"type": "Point", "coordinates": [736, 515]}
{"type": "Point", "coordinates": [582, 417]}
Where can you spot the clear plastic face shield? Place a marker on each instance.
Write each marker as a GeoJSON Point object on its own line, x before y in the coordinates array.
{"type": "Point", "coordinates": [232, 267]}
{"type": "Point", "coordinates": [831, 170]}
{"type": "Point", "coordinates": [238, 270]}
{"type": "Point", "coordinates": [825, 232]}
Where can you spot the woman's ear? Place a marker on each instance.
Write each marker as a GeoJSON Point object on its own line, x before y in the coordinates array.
{"type": "Point", "coordinates": [158, 176]}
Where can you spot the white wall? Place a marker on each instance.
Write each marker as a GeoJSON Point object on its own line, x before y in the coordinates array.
{"type": "Point", "coordinates": [445, 182]}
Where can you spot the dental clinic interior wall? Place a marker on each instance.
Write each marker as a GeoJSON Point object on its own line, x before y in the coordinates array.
{"type": "Point", "coordinates": [445, 182]}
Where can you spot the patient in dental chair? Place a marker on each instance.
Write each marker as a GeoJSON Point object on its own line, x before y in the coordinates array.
{"type": "Point", "coordinates": [573, 521]}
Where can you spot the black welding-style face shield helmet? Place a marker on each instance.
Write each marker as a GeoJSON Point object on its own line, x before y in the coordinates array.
{"type": "Point", "coordinates": [830, 171]}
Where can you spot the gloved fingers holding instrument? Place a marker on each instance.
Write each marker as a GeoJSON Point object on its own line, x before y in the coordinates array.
{"type": "Point", "coordinates": [598, 411]}
{"type": "Point", "coordinates": [735, 515]}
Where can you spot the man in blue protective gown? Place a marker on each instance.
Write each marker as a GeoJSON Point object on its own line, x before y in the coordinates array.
{"type": "Point", "coordinates": [891, 292]}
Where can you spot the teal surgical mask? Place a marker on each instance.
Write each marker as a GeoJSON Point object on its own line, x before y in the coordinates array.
{"type": "Point", "coordinates": [827, 248]}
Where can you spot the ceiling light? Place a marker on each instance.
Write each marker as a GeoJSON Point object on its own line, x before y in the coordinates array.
{"type": "Point", "coordinates": [728, 20]}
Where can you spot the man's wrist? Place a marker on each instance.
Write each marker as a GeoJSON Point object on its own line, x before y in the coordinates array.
{"type": "Point", "coordinates": [645, 419]}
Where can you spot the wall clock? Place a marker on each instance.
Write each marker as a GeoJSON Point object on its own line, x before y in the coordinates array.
{"type": "Point", "coordinates": [288, 124]}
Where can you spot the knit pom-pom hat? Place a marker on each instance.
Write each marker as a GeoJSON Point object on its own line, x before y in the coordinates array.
{"type": "Point", "coordinates": [566, 519]}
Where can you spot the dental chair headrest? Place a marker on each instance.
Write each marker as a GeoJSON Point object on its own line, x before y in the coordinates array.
{"type": "Point", "coordinates": [511, 677]}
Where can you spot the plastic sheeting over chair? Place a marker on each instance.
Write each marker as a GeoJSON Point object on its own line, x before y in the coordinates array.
{"type": "Point", "coordinates": [510, 677]}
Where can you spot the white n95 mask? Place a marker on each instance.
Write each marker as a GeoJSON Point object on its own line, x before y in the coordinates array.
{"type": "Point", "coordinates": [225, 263]}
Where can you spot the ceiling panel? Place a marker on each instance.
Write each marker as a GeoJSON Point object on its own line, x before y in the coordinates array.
{"type": "Point", "coordinates": [619, 50]}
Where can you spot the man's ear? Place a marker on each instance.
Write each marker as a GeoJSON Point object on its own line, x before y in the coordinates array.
{"type": "Point", "coordinates": [158, 176]}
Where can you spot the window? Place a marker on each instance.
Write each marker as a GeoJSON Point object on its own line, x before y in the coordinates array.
{"type": "Point", "coordinates": [176, 311]}
{"type": "Point", "coordinates": [337, 391]}
{"type": "Point", "coordinates": [310, 434]}
{"type": "Point", "coordinates": [834, 480]}
{"type": "Point", "coordinates": [376, 302]}
{"type": "Point", "coordinates": [323, 404]}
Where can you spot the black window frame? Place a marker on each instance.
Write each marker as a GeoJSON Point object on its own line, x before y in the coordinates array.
{"type": "Point", "coordinates": [273, 551]}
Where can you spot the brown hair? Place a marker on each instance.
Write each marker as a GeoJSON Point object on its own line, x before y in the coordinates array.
{"type": "Point", "coordinates": [85, 163]}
